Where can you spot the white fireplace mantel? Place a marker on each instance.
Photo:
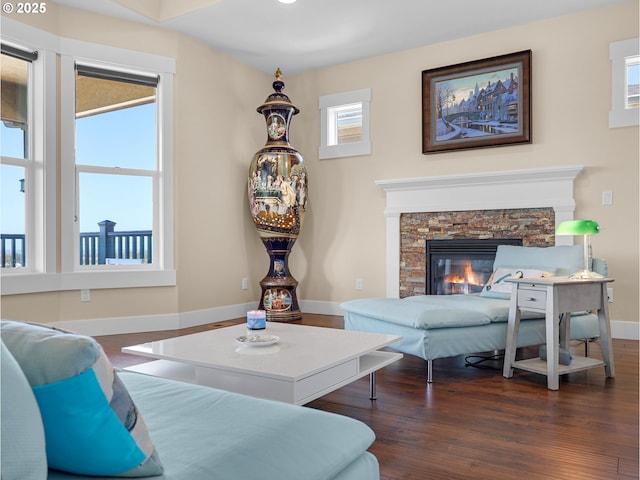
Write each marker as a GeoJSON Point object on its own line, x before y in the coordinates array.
{"type": "Point", "coordinates": [532, 188]}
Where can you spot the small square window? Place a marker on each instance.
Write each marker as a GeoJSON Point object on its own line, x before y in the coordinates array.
{"type": "Point", "coordinates": [345, 124]}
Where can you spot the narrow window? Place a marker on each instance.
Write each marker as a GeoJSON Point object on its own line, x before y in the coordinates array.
{"type": "Point", "coordinates": [116, 166]}
{"type": "Point", "coordinates": [633, 82]}
{"type": "Point", "coordinates": [17, 164]}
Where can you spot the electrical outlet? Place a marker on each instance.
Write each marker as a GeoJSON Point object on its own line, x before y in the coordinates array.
{"type": "Point", "coordinates": [85, 295]}
{"type": "Point", "coordinates": [245, 283]}
{"type": "Point", "coordinates": [610, 294]}
{"type": "Point", "coordinates": [358, 284]}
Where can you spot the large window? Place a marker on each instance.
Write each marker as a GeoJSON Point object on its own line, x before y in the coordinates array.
{"type": "Point", "coordinates": [16, 169]}
{"type": "Point", "coordinates": [27, 167]}
{"type": "Point", "coordinates": [116, 175]}
{"type": "Point", "coordinates": [113, 181]}
{"type": "Point", "coordinates": [116, 166]}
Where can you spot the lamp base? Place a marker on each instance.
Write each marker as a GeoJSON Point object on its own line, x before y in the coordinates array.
{"type": "Point", "coordinates": [585, 275]}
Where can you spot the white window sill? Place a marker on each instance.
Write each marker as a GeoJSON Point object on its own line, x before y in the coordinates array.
{"type": "Point", "coordinates": [345, 150]}
{"type": "Point", "coordinates": [14, 284]}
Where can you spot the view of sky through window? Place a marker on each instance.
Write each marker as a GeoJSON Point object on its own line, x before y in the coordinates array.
{"type": "Point", "coordinates": [124, 138]}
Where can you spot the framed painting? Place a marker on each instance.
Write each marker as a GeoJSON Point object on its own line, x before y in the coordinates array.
{"type": "Point", "coordinates": [482, 103]}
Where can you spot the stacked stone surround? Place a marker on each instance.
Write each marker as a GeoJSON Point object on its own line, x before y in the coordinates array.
{"type": "Point", "coordinates": [535, 226]}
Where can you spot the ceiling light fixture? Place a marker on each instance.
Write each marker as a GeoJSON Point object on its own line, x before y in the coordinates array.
{"type": "Point", "coordinates": [287, 1]}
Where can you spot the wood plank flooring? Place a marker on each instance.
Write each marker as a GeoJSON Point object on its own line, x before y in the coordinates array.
{"type": "Point", "coordinates": [474, 424]}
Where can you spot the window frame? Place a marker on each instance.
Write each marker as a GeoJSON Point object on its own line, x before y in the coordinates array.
{"type": "Point", "coordinates": [334, 101]}
{"type": "Point", "coordinates": [32, 190]}
{"type": "Point", "coordinates": [40, 169]}
{"type": "Point", "coordinates": [54, 264]}
{"type": "Point", "coordinates": [113, 171]}
{"type": "Point", "coordinates": [620, 115]}
{"type": "Point", "coordinates": [161, 271]}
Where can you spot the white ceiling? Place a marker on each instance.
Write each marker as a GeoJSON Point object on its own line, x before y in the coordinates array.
{"type": "Point", "coordinates": [311, 34]}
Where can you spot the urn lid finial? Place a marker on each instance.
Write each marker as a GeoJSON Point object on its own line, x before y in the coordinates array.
{"type": "Point", "coordinates": [278, 99]}
{"type": "Point", "coordinates": [278, 85]}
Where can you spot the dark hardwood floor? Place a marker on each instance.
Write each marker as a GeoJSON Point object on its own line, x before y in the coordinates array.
{"type": "Point", "coordinates": [474, 424]}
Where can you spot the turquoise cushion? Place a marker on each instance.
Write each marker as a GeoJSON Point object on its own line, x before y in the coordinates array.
{"type": "Point", "coordinates": [563, 259]}
{"type": "Point", "coordinates": [23, 451]}
{"type": "Point", "coordinates": [91, 425]}
{"type": "Point", "coordinates": [431, 311]}
{"type": "Point", "coordinates": [209, 434]}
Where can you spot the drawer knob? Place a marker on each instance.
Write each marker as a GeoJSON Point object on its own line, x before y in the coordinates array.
{"type": "Point", "coordinates": [531, 299]}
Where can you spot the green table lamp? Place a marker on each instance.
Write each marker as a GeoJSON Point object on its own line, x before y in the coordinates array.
{"type": "Point", "coordinates": [586, 228]}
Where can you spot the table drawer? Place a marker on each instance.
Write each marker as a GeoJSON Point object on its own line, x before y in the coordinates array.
{"type": "Point", "coordinates": [530, 298]}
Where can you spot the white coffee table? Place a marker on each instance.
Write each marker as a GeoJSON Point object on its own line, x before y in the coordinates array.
{"type": "Point", "coordinates": [306, 362]}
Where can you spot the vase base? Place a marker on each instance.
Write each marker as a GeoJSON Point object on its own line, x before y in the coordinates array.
{"type": "Point", "coordinates": [290, 316]}
{"type": "Point", "coordinates": [279, 299]}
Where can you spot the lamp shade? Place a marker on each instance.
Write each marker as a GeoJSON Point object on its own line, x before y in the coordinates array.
{"type": "Point", "coordinates": [578, 227]}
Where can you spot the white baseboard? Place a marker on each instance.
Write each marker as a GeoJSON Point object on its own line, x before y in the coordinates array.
{"type": "Point", "coordinates": [150, 323]}
{"type": "Point", "coordinates": [213, 315]}
{"type": "Point", "coordinates": [118, 325]}
{"type": "Point", "coordinates": [321, 308]}
{"type": "Point", "coordinates": [625, 330]}
{"type": "Point", "coordinates": [113, 326]}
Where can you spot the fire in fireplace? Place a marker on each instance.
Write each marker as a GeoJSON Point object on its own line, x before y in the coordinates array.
{"type": "Point", "coordinates": [461, 266]}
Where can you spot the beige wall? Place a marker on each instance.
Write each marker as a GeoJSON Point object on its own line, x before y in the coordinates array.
{"type": "Point", "coordinates": [217, 131]}
{"type": "Point", "coordinates": [345, 235]}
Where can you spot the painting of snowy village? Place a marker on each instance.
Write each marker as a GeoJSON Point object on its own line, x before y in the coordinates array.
{"type": "Point", "coordinates": [477, 104]}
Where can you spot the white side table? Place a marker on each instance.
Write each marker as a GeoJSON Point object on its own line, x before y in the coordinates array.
{"type": "Point", "coordinates": [557, 297]}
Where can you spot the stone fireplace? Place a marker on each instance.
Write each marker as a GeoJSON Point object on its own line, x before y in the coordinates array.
{"type": "Point", "coordinates": [518, 204]}
{"type": "Point", "coordinates": [532, 227]}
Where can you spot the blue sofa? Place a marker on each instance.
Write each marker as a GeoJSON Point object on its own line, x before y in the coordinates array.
{"type": "Point", "coordinates": [188, 432]}
{"type": "Point", "coordinates": [438, 326]}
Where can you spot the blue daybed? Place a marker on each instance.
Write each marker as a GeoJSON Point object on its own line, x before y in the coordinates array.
{"type": "Point", "coordinates": [438, 326]}
{"type": "Point", "coordinates": [64, 409]}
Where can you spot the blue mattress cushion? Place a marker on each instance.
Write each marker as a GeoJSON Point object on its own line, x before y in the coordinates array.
{"type": "Point", "coordinates": [432, 311]}
{"type": "Point", "coordinates": [209, 434]}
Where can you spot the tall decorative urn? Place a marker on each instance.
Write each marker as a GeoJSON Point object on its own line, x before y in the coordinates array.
{"type": "Point", "coordinates": [277, 189]}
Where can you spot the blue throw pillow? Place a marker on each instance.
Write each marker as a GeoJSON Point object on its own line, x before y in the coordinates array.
{"type": "Point", "coordinates": [91, 425]}
{"type": "Point", "coordinates": [23, 452]}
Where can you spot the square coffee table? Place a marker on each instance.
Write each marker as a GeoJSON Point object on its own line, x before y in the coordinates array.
{"type": "Point", "coordinates": [304, 364]}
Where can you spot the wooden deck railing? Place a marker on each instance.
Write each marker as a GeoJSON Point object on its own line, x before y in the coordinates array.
{"type": "Point", "coordinates": [110, 247]}
{"type": "Point", "coordinates": [96, 248]}
{"type": "Point", "coordinates": [12, 250]}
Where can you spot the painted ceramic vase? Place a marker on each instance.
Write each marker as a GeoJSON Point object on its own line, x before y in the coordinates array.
{"type": "Point", "coordinates": [277, 188]}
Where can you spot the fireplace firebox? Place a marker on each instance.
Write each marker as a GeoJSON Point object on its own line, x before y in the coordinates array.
{"type": "Point", "coordinates": [461, 266]}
